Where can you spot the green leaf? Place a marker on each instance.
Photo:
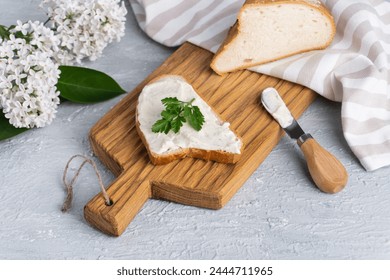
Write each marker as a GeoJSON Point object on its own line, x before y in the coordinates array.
{"type": "Point", "coordinates": [167, 115]}
{"type": "Point", "coordinates": [170, 100]}
{"type": "Point", "coordinates": [194, 117]}
{"type": "Point", "coordinates": [4, 33]}
{"type": "Point", "coordinates": [84, 85]}
{"type": "Point", "coordinates": [7, 130]}
{"type": "Point", "coordinates": [177, 123]}
{"type": "Point", "coordinates": [161, 126]}
{"type": "Point", "coordinates": [174, 109]}
{"type": "Point", "coordinates": [176, 113]}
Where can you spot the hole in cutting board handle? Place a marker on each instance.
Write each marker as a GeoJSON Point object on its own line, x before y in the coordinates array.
{"type": "Point", "coordinates": [110, 203]}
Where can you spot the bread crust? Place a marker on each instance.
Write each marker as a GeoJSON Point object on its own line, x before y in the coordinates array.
{"type": "Point", "coordinates": [235, 29]}
{"type": "Point", "coordinates": [213, 155]}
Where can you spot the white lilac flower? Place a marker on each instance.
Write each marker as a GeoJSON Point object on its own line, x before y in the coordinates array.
{"type": "Point", "coordinates": [28, 75]}
{"type": "Point", "coordinates": [85, 27]}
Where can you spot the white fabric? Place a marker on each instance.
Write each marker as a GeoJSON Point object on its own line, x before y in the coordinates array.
{"type": "Point", "coordinates": [354, 70]}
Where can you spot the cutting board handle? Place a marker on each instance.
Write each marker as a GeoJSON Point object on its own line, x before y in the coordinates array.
{"type": "Point", "coordinates": [127, 196]}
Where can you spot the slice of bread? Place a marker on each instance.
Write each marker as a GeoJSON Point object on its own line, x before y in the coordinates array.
{"type": "Point", "coordinates": [215, 141]}
{"type": "Point", "coordinates": [268, 30]}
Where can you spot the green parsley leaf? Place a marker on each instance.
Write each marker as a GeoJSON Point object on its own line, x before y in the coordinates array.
{"type": "Point", "coordinates": [177, 123]}
{"type": "Point", "coordinates": [176, 113]}
{"type": "Point", "coordinates": [170, 100]}
{"type": "Point", "coordinates": [167, 115]}
{"type": "Point", "coordinates": [161, 126]}
{"type": "Point", "coordinates": [194, 117]}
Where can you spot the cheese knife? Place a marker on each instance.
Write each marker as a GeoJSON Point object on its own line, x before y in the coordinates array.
{"type": "Point", "coordinates": [326, 170]}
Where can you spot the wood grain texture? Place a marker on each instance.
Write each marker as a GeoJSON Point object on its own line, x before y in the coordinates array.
{"type": "Point", "coordinates": [234, 96]}
{"type": "Point", "coordinates": [327, 171]}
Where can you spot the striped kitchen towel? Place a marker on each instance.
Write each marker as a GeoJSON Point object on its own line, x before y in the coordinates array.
{"type": "Point", "coordinates": [354, 70]}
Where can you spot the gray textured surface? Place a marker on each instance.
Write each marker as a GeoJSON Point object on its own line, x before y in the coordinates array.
{"type": "Point", "coordinates": [277, 214]}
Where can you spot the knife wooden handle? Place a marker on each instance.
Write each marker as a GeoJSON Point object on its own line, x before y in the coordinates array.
{"type": "Point", "coordinates": [327, 171]}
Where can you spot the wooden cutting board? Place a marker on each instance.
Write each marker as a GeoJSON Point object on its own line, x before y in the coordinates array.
{"type": "Point", "coordinates": [235, 96]}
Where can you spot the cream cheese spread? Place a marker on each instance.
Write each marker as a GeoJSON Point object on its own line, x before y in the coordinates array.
{"type": "Point", "coordinates": [214, 135]}
{"type": "Point", "coordinates": [276, 107]}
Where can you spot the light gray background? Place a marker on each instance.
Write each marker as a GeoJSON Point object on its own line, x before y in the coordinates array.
{"type": "Point", "coordinates": [277, 214]}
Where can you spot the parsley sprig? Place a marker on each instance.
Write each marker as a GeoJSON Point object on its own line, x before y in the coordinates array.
{"type": "Point", "coordinates": [176, 113]}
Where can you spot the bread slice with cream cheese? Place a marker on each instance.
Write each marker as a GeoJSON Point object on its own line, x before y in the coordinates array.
{"type": "Point", "coordinates": [215, 141]}
{"type": "Point", "coordinates": [268, 30]}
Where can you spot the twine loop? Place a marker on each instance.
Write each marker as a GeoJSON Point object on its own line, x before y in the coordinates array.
{"type": "Point", "coordinates": [69, 185]}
